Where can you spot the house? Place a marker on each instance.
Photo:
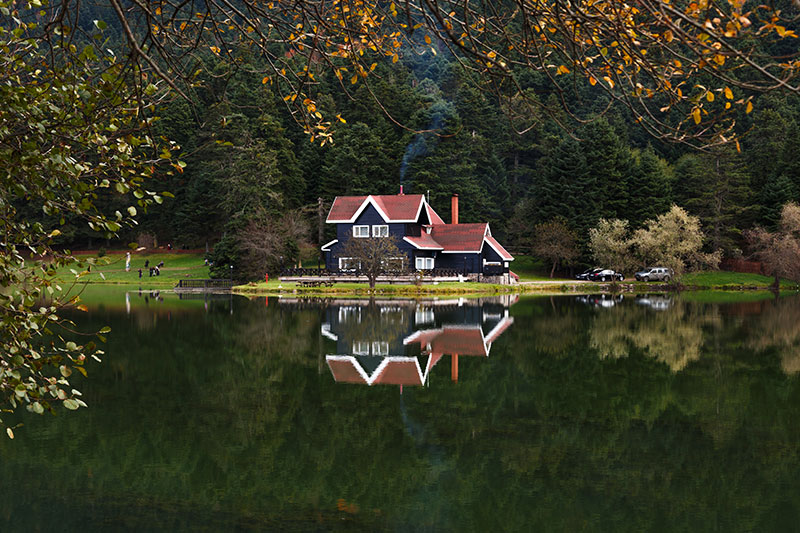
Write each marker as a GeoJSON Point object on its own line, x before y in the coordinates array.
{"type": "Point", "coordinates": [425, 240]}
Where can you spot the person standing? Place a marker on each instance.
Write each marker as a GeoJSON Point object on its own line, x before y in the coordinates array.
{"type": "Point", "coordinates": [128, 262]}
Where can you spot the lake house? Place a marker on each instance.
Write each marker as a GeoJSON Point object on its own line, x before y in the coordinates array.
{"type": "Point", "coordinates": [427, 243]}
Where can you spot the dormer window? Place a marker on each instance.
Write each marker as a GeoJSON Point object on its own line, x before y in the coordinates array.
{"type": "Point", "coordinates": [380, 230]}
{"type": "Point", "coordinates": [360, 231]}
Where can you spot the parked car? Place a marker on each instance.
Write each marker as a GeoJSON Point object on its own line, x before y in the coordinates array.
{"type": "Point", "coordinates": [587, 273]}
{"type": "Point", "coordinates": [605, 274]}
{"type": "Point", "coordinates": [655, 274]}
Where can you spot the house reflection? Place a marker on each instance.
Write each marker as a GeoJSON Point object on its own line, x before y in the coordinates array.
{"type": "Point", "coordinates": [395, 342]}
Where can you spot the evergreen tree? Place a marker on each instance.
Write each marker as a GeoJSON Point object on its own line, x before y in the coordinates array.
{"type": "Point", "coordinates": [609, 161]}
{"type": "Point", "coordinates": [777, 192]}
{"type": "Point", "coordinates": [716, 188]}
{"type": "Point", "coordinates": [650, 189]}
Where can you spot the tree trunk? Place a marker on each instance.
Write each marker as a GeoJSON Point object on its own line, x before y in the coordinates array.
{"type": "Point", "coordinates": [552, 270]}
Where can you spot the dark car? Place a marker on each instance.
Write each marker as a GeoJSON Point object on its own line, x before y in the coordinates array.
{"type": "Point", "coordinates": [585, 275]}
{"type": "Point", "coordinates": [606, 274]}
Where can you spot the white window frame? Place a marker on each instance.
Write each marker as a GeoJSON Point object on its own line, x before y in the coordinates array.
{"type": "Point", "coordinates": [360, 347]}
{"type": "Point", "coordinates": [380, 348]}
{"type": "Point", "coordinates": [386, 263]}
{"type": "Point", "coordinates": [380, 230]}
{"type": "Point", "coordinates": [424, 263]}
{"type": "Point", "coordinates": [345, 259]}
{"type": "Point", "coordinates": [360, 231]}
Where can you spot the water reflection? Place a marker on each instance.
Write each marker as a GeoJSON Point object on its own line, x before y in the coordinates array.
{"type": "Point", "coordinates": [399, 342]}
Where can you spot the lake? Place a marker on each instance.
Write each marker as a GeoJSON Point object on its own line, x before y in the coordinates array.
{"type": "Point", "coordinates": [591, 413]}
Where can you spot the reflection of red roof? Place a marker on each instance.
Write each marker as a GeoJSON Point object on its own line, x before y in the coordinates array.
{"type": "Point", "coordinates": [463, 341]}
{"type": "Point", "coordinates": [399, 373]}
{"type": "Point", "coordinates": [395, 208]}
{"type": "Point", "coordinates": [499, 248]}
{"type": "Point", "coordinates": [393, 370]}
{"type": "Point", "coordinates": [459, 237]}
{"type": "Point", "coordinates": [345, 371]}
{"type": "Point", "coordinates": [423, 242]}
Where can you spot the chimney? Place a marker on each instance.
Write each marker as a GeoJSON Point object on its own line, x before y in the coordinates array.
{"type": "Point", "coordinates": [401, 190]}
{"type": "Point", "coordinates": [454, 209]}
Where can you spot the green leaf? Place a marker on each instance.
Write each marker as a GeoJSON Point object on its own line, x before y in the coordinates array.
{"type": "Point", "coordinates": [70, 404]}
{"type": "Point", "coordinates": [132, 211]}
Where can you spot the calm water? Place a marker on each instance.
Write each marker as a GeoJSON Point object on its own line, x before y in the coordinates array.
{"type": "Point", "coordinates": [557, 414]}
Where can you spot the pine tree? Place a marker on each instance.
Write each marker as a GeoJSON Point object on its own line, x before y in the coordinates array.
{"type": "Point", "coordinates": [650, 189]}
{"type": "Point", "coordinates": [777, 192]}
{"type": "Point", "coordinates": [610, 163]}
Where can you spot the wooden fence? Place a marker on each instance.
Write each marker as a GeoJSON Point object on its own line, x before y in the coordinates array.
{"type": "Point", "coordinates": [196, 284]}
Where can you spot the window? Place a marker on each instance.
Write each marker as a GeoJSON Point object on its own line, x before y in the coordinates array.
{"type": "Point", "coordinates": [360, 347]}
{"type": "Point", "coordinates": [380, 231]}
{"type": "Point", "coordinates": [360, 231]}
{"type": "Point", "coordinates": [349, 263]}
{"type": "Point", "coordinates": [380, 348]}
{"type": "Point", "coordinates": [396, 264]}
{"type": "Point", "coordinates": [424, 263]}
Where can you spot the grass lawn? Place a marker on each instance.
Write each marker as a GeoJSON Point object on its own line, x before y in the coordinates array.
{"type": "Point", "coordinates": [720, 280]}
{"type": "Point", "coordinates": [277, 287]}
{"type": "Point", "coordinates": [531, 269]}
{"type": "Point", "coordinates": [112, 267]}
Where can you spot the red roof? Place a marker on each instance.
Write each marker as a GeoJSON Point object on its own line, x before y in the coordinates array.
{"type": "Point", "coordinates": [433, 216]}
{"type": "Point", "coordinates": [499, 248]}
{"type": "Point", "coordinates": [459, 237]}
{"type": "Point", "coordinates": [424, 242]}
{"type": "Point", "coordinates": [395, 208]}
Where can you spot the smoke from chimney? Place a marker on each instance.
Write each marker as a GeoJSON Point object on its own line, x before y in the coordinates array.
{"type": "Point", "coordinates": [454, 209]}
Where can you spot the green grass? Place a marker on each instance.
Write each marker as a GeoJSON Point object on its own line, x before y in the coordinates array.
{"type": "Point", "coordinates": [531, 269]}
{"type": "Point", "coordinates": [278, 287]}
{"type": "Point", "coordinates": [720, 280]}
{"type": "Point", "coordinates": [111, 269]}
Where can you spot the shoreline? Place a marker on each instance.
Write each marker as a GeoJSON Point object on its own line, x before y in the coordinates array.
{"type": "Point", "coordinates": [561, 287]}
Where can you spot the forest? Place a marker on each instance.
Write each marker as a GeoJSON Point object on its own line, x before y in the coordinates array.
{"type": "Point", "coordinates": [252, 174]}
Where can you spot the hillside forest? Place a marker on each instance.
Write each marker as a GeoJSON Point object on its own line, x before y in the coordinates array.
{"type": "Point", "coordinates": [253, 176]}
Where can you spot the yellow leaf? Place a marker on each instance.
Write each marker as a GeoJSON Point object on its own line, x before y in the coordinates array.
{"type": "Point", "coordinates": [10, 433]}
{"type": "Point", "coordinates": [728, 93]}
{"type": "Point", "coordinates": [710, 96]}
{"type": "Point", "coordinates": [696, 115]}
{"type": "Point", "coordinates": [491, 55]}
{"type": "Point", "coordinates": [727, 105]}
{"type": "Point", "coordinates": [427, 39]}
{"type": "Point", "coordinates": [214, 49]}
{"type": "Point", "coordinates": [668, 36]}
{"type": "Point", "coordinates": [592, 81]}
{"type": "Point", "coordinates": [749, 107]}
{"type": "Point", "coordinates": [354, 79]}
{"type": "Point", "coordinates": [265, 80]}
{"type": "Point", "coordinates": [395, 58]}
{"type": "Point", "coordinates": [738, 148]}
{"type": "Point", "coordinates": [562, 70]}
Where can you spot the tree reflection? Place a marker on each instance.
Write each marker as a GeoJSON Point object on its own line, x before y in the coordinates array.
{"type": "Point", "coordinates": [778, 327]}
{"type": "Point", "coordinates": [672, 336]}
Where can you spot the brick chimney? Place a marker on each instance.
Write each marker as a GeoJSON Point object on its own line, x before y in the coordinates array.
{"type": "Point", "coordinates": [454, 209]}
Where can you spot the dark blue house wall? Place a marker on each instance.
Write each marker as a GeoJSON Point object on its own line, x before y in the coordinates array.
{"type": "Point", "coordinates": [368, 217]}
{"type": "Point", "coordinates": [460, 261]}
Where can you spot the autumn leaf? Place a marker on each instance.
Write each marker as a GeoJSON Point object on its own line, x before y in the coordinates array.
{"type": "Point", "coordinates": [696, 115]}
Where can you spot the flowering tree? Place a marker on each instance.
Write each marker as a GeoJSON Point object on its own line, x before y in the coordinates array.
{"type": "Point", "coordinates": [780, 250]}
